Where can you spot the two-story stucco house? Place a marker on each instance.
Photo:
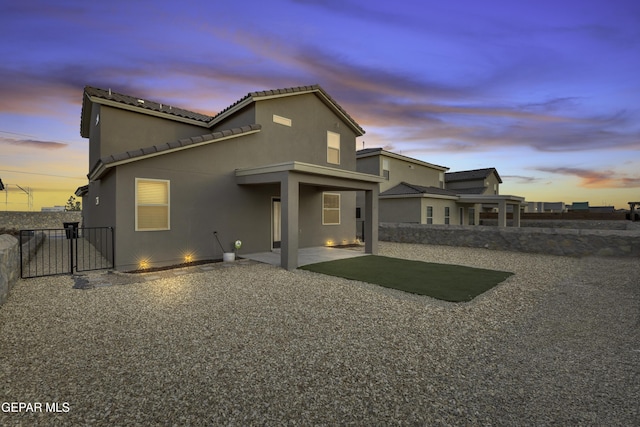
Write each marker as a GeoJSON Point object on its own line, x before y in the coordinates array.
{"type": "Point", "coordinates": [277, 169]}
{"type": "Point", "coordinates": [419, 192]}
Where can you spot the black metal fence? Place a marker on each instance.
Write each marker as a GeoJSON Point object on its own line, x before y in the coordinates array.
{"type": "Point", "coordinates": [49, 252]}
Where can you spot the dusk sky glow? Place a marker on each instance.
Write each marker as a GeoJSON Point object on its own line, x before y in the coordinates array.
{"type": "Point", "coordinates": [547, 92]}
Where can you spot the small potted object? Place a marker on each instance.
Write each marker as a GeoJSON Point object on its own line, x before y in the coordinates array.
{"type": "Point", "coordinates": [228, 256]}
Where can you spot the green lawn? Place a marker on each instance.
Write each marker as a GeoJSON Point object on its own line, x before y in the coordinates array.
{"type": "Point", "coordinates": [442, 281]}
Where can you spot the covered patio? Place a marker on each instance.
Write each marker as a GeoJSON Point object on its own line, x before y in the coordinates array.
{"type": "Point", "coordinates": [499, 201]}
{"type": "Point", "coordinates": [290, 176]}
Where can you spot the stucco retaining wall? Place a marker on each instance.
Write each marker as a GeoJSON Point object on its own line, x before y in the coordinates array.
{"type": "Point", "coordinates": [554, 241]}
{"type": "Point", "coordinates": [31, 220]}
{"type": "Point", "coordinates": [9, 268]}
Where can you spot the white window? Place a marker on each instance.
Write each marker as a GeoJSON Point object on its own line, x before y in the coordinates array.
{"type": "Point", "coordinates": [441, 179]}
{"type": "Point", "coordinates": [330, 209]}
{"type": "Point", "coordinates": [385, 168]}
{"type": "Point", "coordinates": [152, 204]}
{"type": "Point", "coordinates": [447, 215]}
{"type": "Point", "coordinates": [333, 147]}
{"type": "Point", "coordinates": [429, 214]}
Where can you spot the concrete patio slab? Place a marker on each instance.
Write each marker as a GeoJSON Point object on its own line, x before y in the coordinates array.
{"type": "Point", "coordinates": [307, 255]}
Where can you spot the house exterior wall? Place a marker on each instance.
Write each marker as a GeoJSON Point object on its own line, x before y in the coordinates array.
{"type": "Point", "coordinates": [95, 147]}
{"type": "Point", "coordinates": [400, 210]}
{"type": "Point", "coordinates": [306, 139]}
{"type": "Point", "coordinates": [439, 206]}
{"type": "Point", "coordinates": [242, 118]}
{"type": "Point", "coordinates": [99, 206]}
{"type": "Point", "coordinates": [120, 130]}
{"type": "Point", "coordinates": [491, 185]}
{"type": "Point", "coordinates": [412, 173]}
{"type": "Point", "coordinates": [204, 194]}
{"type": "Point", "coordinates": [371, 165]}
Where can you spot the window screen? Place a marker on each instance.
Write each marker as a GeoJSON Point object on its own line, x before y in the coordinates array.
{"type": "Point", "coordinates": [333, 148]}
{"type": "Point", "coordinates": [330, 209]}
{"type": "Point", "coordinates": [152, 204]}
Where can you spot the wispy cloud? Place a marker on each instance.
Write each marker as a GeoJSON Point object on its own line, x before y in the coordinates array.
{"type": "Point", "coordinates": [522, 179]}
{"type": "Point", "coordinates": [597, 178]}
{"type": "Point", "coordinates": [33, 143]}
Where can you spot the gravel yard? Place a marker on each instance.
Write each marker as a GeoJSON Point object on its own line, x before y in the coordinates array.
{"type": "Point", "coordinates": [558, 343]}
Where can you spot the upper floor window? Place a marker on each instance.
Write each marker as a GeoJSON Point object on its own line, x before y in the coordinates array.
{"type": "Point", "coordinates": [152, 204]}
{"type": "Point", "coordinates": [385, 168]}
{"type": "Point", "coordinates": [333, 147]}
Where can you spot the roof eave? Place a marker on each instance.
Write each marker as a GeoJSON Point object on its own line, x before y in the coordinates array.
{"type": "Point", "coordinates": [419, 195]}
{"type": "Point", "coordinates": [137, 109]}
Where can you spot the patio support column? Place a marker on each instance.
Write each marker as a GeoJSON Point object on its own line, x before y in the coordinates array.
{"type": "Point", "coordinates": [516, 215]}
{"type": "Point", "coordinates": [290, 200]}
{"type": "Point", "coordinates": [502, 213]}
{"type": "Point", "coordinates": [371, 220]}
{"type": "Point", "coordinates": [477, 207]}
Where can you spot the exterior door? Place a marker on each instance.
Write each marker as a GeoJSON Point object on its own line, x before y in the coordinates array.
{"type": "Point", "coordinates": [276, 223]}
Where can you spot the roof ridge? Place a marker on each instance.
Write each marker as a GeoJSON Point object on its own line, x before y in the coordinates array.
{"type": "Point", "coordinates": [413, 186]}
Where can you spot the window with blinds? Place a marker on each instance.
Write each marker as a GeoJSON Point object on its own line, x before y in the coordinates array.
{"type": "Point", "coordinates": [152, 204]}
{"type": "Point", "coordinates": [330, 209]}
{"type": "Point", "coordinates": [333, 147]}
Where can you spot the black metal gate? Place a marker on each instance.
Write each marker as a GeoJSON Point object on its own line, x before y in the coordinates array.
{"type": "Point", "coordinates": [48, 252]}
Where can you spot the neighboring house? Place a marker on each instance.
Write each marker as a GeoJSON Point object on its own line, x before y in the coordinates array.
{"type": "Point", "coordinates": [423, 193]}
{"type": "Point", "coordinates": [542, 207]}
{"type": "Point", "coordinates": [277, 170]}
{"type": "Point", "coordinates": [477, 181]}
{"type": "Point", "coordinates": [579, 207]}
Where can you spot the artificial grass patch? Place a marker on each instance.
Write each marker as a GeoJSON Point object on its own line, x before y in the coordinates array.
{"type": "Point", "coordinates": [447, 282]}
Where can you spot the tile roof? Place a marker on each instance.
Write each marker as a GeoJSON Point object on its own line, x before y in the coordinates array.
{"type": "Point", "coordinates": [369, 151]}
{"type": "Point", "coordinates": [471, 175]}
{"type": "Point", "coordinates": [404, 188]}
{"type": "Point", "coordinates": [473, 190]}
{"type": "Point", "coordinates": [170, 146]}
{"type": "Point", "coordinates": [145, 104]}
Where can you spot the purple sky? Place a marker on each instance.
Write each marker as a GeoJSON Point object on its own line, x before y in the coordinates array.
{"type": "Point", "coordinates": [548, 92]}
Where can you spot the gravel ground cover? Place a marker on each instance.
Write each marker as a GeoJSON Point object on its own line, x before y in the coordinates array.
{"type": "Point", "coordinates": [557, 343]}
